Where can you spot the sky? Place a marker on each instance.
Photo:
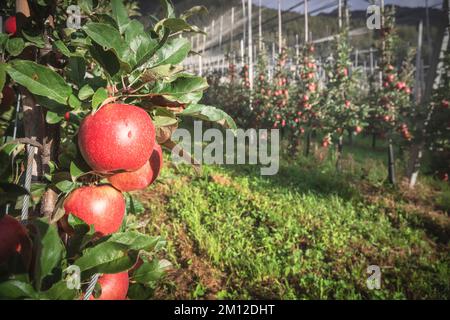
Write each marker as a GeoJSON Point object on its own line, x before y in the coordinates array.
{"type": "Point", "coordinates": [354, 4]}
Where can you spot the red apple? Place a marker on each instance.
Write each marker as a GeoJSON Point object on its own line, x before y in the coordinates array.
{"type": "Point", "coordinates": [358, 129]}
{"type": "Point", "coordinates": [142, 178]}
{"type": "Point", "coordinates": [445, 104]}
{"type": "Point", "coordinates": [8, 97]}
{"type": "Point", "coordinates": [67, 116]}
{"type": "Point", "coordinates": [400, 85]}
{"type": "Point", "coordinates": [390, 78]}
{"type": "Point", "coordinates": [305, 98]}
{"type": "Point", "coordinates": [14, 239]}
{"type": "Point", "coordinates": [348, 104]}
{"type": "Point", "coordinates": [114, 286]}
{"type": "Point", "coordinates": [11, 25]}
{"type": "Point", "coordinates": [102, 206]}
{"type": "Point", "coordinates": [117, 137]}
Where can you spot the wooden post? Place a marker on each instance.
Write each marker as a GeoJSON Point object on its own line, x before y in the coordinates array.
{"type": "Point", "coordinates": [244, 16]}
{"type": "Point", "coordinates": [418, 86]}
{"type": "Point", "coordinates": [433, 81]}
{"type": "Point", "coordinates": [221, 33]}
{"type": "Point", "coordinates": [250, 46]}
{"type": "Point", "coordinates": [280, 28]}
{"type": "Point", "coordinates": [232, 32]}
{"type": "Point", "coordinates": [260, 38]}
{"type": "Point", "coordinates": [306, 23]}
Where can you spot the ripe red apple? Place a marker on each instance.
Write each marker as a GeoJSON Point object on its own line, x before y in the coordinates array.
{"type": "Point", "coordinates": [445, 104]}
{"type": "Point", "coordinates": [117, 137]}
{"type": "Point", "coordinates": [8, 97]}
{"type": "Point", "coordinates": [348, 104]}
{"type": "Point", "coordinates": [114, 286]}
{"type": "Point", "coordinates": [102, 206]}
{"type": "Point", "coordinates": [283, 123]}
{"type": "Point", "coordinates": [390, 78]}
{"type": "Point", "coordinates": [358, 129]}
{"type": "Point", "coordinates": [67, 116]}
{"type": "Point", "coordinates": [142, 178]}
{"type": "Point", "coordinates": [14, 239]}
{"type": "Point", "coordinates": [400, 85]}
{"type": "Point", "coordinates": [11, 25]}
{"type": "Point", "coordinates": [305, 98]}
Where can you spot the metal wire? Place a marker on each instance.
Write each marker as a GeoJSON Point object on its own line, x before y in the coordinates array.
{"type": "Point", "coordinates": [91, 286]}
{"type": "Point", "coordinates": [28, 176]}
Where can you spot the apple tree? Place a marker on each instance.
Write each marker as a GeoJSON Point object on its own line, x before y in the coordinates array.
{"type": "Point", "coordinates": [60, 80]}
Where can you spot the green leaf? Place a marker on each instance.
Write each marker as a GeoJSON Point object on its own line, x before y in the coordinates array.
{"type": "Point", "coordinates": [133, 205]}
{"type": "Point", "coordinates": [74, 103]}
{"type": "Point", "coordinates": [209, 113]}
{"type": "Point", "coordinates": [85, 92]}
{"type": "Point", "coordinates": [14, 289]}
{"type": "Point", "coordinates": [106, 257]}
{"type": "Point", "coordinates": [15, 46]}
{"type": "Point", "coordinates": [61, 47]}
{"type": "Point", "coordinates": [108, 38]}
{"type": "Point", "coordinates": [120, 15]}
{"type": "Point", "coordinates": [139, 291]}
{"type": "Point", "coordinates": [75, 171]}
{"type": "Point", "coordinates": [173, 52]}
{"type": "Point", "coordinates": [66, 186]}
{"type": "Point", "coordinates": [86, 6]}
{"type": "Point", "coordinates": [77, 70]}
{"type": "Point", "coordinates": [169, 10]}
{"type": "Point", "coordinates": [53, 118]}
{"type": "Point", "coordinates": [40, 80]}
{"type": "Point", "coordinates": [2, 75]}
{"type": "Point", "coordinates": [149, 272]}
{"type": "Point", "coordinates": [194, 11]}
{"type": "Point", "coordinates": [133, 240]}
{"type": "Point", "coordinates": [182, 88]}
{"type": "Point", "coordinates": [107, 59]}
{"type": "Point", "coordinates": [36, 40]}
{"type": "Point", "coordinates": [140, 46]}
{"type": "Point", "coordinates": [60, 291]}
{"type": "Point", "coordinates": [100, 95]}
{"type": "Point", "coordinates": [174, 25]}
{"type": "Point", "coordinates": [49, 247]}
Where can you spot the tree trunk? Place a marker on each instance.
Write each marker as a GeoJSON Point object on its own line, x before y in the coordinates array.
{"type": "Point", "coordinates": [350, 138]}
{"type": "Point", "coordinates": [340, 148]}
{"type": "Point", "coordinates": [308, 143]}
{"type": "Point", "coordinates": [391, 164]}
{"type": "Point", "coordinates": [416, 152]}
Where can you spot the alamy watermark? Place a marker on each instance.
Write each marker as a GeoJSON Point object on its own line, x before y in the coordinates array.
{"type": "Point", "coordinates": [214, 146]}
{"type": "Point", "coordinates": [374, 17]}
{"type": "Point", "coordinates": [374, 280]}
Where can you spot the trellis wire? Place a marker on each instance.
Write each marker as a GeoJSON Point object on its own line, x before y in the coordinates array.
{"type": "Point", "coordinates": [91, 287]}
{"type": "Point", "coordinates": [27, 185]}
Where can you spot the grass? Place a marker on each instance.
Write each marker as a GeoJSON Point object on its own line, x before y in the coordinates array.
{"type": "Point", "coordinates": [306, 233]}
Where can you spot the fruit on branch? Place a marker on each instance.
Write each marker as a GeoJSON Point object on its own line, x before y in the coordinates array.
{"type": "Point", "coordinates": [114, 286]}
{"type": "Point", "coordinates": [117, 137]}
{"type": "Point", "coordinates": [390, 78]}
{"type": "Point", "coordinates": [8, 97]}
{"type": "Point", "coordinates": [358, 129]}
{"type": "Point", "coordinates": [142, 178]}
{"type": "Point", "coordinates": [14, 240]}
{"type": "Point", "coordinates": [67, 116]}
{"type": "Point", "coordinates": [445, 104]}
{"type": "Point", "coordinates": [11, 25]}
{"type": "Point", "coordinates": [347, 104]}
{"type": "Point", "coordinates": [102, 206]}
{"type": "Point", "coordinates": [400, 85]}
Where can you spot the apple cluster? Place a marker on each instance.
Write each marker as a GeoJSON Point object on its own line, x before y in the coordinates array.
{"type": "Point", "coordinates": [119, 143]}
